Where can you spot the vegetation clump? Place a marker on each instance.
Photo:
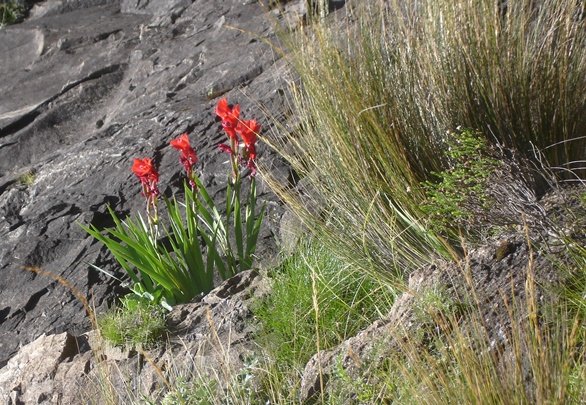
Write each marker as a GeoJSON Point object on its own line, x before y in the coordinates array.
{"type": "Point", "coordinates": [317, 301]}
{"type": "Point", "coordinates": [11, 12]}
{"type": "Point", "coordinates": [460, 201]}
{"type": "Point", "coordinates": [375, 105]}
{"type": "Point", "coordinates": [202, 242]}
{"type": "Point", "coordinates": [138, 322]}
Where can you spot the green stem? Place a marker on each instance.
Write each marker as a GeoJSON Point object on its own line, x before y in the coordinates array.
{"type": "Point", "coordinates": [234, 161]}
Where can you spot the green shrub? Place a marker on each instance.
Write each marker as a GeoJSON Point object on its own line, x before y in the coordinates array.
{"type": "Point", "coordinates": [10, 13]}
{"type": "Point", "coordinates": [460, 201]}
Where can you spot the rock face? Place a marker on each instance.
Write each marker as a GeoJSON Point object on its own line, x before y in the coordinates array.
{"type": "Point", "coordinates": [88, 85]}
{"type": "Point", "coordinates": [29, 377]}
{"type": "Point", "coordinates": [211, 339]}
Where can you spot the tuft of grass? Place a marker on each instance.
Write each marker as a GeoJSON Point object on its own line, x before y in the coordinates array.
{"type": "Point", "coordinates": [137, 322]}
{"type": "Point", "coordinates": [376, 101]}
{"type": "Point", "coordinates": [317, 301]}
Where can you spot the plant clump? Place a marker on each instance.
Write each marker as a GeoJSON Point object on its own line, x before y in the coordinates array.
{"type": "Point", "coordinates": [173, 264]}
{"type": "Point", "coordinates": [317, 301]}
{"type": "Point", "coordinates": [460, 200]}
{"type": "Point", "coordinates": [138, 322]}
{"type": "Point", "coordinates": [375, 105]}
{"type": "Point", "coordinates": [11, 12]}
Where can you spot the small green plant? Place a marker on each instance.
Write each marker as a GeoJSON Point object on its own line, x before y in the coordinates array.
{"type": "Point", "coordinates": [193, 392]}
{"type": "Point", "coordinates": [233, 387]}
{"type": "Point", "coordinates": [138, 322]}
{"type": "Point", "coordinates": [28, 178]}
{"type": "Point", "coordinates": [363, 392]}
{"type": "Point", "coordinates": [435, 304]}
{"type": "Point", "coordinates": [459, 201]}
{"type": "Point", "coordinates": [199, 240]}
{"type": "Point", "coordinates": [10, 13]}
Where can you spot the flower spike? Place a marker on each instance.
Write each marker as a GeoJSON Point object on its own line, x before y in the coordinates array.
{"type": "Point", "coordinates": [149, 179]}
{"type": "Point", "coordinates": [248, 131]}
{"type": "Point", "coordinates": [188, 156]}
{"type": "Point", "coordinates": [229, 117]}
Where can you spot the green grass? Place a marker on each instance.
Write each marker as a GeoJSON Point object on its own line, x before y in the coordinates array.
{"type": "Point", "coordinates": [136, 323]}
{"type": "Point", "coordinates": [317, 302]}
{"type": "Point", "coordinates": [313, 280]}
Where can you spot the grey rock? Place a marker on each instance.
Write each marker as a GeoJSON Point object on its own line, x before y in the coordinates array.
{"type": "Point", "coordinates": [53, 7]}
{"type": "Point", "coordinates": [29, 376]}
{"type": "Point", "coordinates": [153, 7]}
{"type": "Point", "coordinates": [210, 339]}
{"type": "Point", "coordinates": [85, 89]}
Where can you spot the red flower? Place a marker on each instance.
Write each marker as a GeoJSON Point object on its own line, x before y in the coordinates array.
{"type": "Point", "coordinates": [144, 170]}
{"type": "Point", "coordinates": [181, 143]}
{"type": "Point", "coordinates": [148, 176]}
{"type": "Point", "coordinates": [225, 148]}
{"type": "Point", "coordinates": [248, 131]}
{"type": "Point", "coordinates": [229, 117]}
{"type": "Point", "coordinates": [188, 156]}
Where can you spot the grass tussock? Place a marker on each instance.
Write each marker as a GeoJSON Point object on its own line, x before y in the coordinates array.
{"type": "Point", "coordinates": [376, 101]}
{"type": "Point", "coordinates": [137, 322]}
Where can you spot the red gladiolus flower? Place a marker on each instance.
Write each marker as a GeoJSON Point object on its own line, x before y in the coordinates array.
{"type": "Point", "coordinates": [148, 176]}
{"type": "Point", "coordinates": [144, 170]}
{"type": "Point", "coordinates": [225, 148]}
{"type": "Point", "coordinates": [248, 131]}
{"type": "Point", "coordinates": [229, 117]}
{"type": "Point", "coordinates": [188, 156]}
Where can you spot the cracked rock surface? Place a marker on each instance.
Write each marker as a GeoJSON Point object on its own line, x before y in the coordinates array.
{"type": "Point", "coordinates": [87, 86]}
{"type": "Point", "coordinates": [211, 337]}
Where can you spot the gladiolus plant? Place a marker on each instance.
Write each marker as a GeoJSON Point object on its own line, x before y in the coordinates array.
{"type": "Point", "coordinates": [242, 155]}
{"type": "Point", "coordinates": [199, 240]}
